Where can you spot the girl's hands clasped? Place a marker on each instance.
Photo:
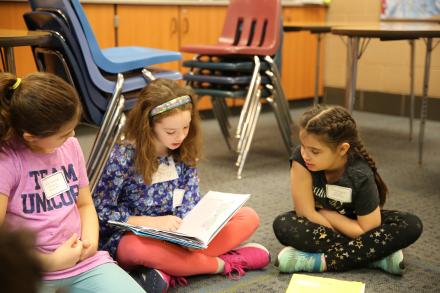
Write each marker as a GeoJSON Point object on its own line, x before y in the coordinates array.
{"type": "Point", "coordinates": [67, 255]}
{"type": "Point", "coordinates": [89, 249]}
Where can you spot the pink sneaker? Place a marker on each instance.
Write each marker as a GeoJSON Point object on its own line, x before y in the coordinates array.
{"type": "Point", "coordinates": [156, 281]}
{"type": "Point", "coordinates": [251, 256]}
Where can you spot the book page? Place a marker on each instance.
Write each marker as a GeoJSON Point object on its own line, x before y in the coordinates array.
{"type": "Point", "coordinates": [307, 284]}
{"type": "Point", "coordinates": [210, 214]}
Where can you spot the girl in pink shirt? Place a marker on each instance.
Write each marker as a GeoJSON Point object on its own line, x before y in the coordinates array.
{"type": "Point", "coordinates": [44, 185]}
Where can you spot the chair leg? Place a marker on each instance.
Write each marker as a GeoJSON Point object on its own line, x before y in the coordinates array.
{"type": "Point", "coordinates": [285, 133]}
{"type": "Point", "coordinates": [222, 120]}
{"type": "Point", "coordinates": [109, 117]}
{"type": "Point", "coordinates": [253, 94]}
{"type": "Point", "coordinates": [106, 154]}
{"type": "Point", "coordinates": [148, 75]}
{"type": "Point", "coordinates": [276, 80]}
{"type": "Point", "coordinates": [247, 101]}
{"type": "Point", "coordinates": [249, 139]}
{"type": "Point", "coordinates": [281, 110]}
{"type": "Point", "coordinates": [226, 111]}
{"type": "Point", "coordinates": [247, 126]}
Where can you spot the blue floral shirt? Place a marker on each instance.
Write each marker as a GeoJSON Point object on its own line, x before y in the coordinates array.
{"type": "Point", "coordinates": [121, 193]}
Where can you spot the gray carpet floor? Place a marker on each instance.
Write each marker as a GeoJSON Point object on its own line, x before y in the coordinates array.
{"type": "Point", "coordinates": [412, 187]}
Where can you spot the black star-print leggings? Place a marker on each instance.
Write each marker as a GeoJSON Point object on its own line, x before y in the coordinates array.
{"type": "Point", "coordinates": [398, 230]}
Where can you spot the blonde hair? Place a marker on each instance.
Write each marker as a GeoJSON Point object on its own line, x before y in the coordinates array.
{"type": "Point", "coordinates": [334, 125]}
{"type": "Point", "coordinates": [140, 125]}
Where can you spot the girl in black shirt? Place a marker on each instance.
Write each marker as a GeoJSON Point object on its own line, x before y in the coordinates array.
{"type": "Point", "coordinates": [338, 222]}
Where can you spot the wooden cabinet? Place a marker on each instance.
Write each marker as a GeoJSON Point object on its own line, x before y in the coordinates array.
{"type": "Point", "coordinates": [149, 26]}
{"type": "Point", "coordinates": [201, 25]}
{"type": "Point", "coordinates": [170, 27]}
{"type": "Point", "coordinates": [12, 18]}
{"type": "Point", "coordinates": [101, 19]}
{"type": "Point", "coordinates": [299, 54]}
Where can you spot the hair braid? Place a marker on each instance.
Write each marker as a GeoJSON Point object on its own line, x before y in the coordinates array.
{"type": "Point", "coordinates": [381, 186]}
{"type": "Point", "coordinates": [335, 125]}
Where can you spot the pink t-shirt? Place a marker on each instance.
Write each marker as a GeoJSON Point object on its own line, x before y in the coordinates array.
{"type": "Point", "coordinates": [54, 220]}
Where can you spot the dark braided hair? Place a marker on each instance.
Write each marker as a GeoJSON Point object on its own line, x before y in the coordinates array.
{"type": "Point", "coordinates": [335, 126]}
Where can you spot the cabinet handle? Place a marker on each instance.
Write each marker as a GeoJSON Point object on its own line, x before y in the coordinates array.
{"type": "Point", "coordinates": [185, 25]}
{"type": "Point", "coordinates": [173, 25]}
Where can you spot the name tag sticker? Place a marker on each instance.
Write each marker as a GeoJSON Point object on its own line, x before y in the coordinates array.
{"type": "Point", "coordinates": [54, 184]}
{"type": "Point", "coordinates": [178, 197]}
{"type": "Point", "coordinates": [338, 193]}
{"type": "Point", "coordinates": [165, 172]}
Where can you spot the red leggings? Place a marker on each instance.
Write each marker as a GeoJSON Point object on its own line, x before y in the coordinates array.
{"type": "Point", "coordinates": [176, 260]}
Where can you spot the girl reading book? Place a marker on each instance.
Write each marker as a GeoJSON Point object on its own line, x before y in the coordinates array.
{"type": "Point", "coordinates": [151, 180]}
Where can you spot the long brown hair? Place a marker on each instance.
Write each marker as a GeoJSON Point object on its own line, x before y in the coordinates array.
{"type": "Point", "coordinates": [40, 104]}
{"type": "Point", "coordinates": [140, 125]}
{"type": "Point", "coordinates": [334, 125]}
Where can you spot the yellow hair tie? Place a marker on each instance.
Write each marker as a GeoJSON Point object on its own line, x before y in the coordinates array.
{"type": "Point", "coordinates": [16, 84]}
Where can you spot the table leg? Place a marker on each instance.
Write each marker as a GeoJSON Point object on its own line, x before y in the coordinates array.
{"type": "Point", "coordinates": [424, 105]}
{"type": "Point", "coordinates": [317, 68]}
{"type": "Point", "coordinates": [9, 60]}
{"type": "Point", "coordinates": [412, 44]}
{"type": "Point", "coordinates": [351, 74]}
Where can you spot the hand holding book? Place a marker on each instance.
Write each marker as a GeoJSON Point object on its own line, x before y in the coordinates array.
{"type": "Point", "coordinates": [200, 225]}
{"type": "Point", "coordinates": [166, 223]}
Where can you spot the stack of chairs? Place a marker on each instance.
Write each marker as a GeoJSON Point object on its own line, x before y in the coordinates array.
{"type": "Point", "coordinates": [107, 81]}
{"type": "Point", "coordinates": [242, 65]}
{"type": "Point", "coordinates": [74, 51]}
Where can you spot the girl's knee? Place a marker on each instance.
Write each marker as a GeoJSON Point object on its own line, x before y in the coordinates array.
{"type": "Point", "coordinates": [250, 215]}
{"type": "Point", "coordinates": [129, 251]}
{"type": "Point", "coordinates": [415, 226]}
{"type": "Point", "coordinates": [281, 221]}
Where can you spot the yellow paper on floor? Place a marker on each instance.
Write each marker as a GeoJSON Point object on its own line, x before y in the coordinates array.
{"type": "Point", "coordinates": [311, 284]}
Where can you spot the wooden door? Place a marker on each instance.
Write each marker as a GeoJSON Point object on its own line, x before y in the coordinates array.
{"type": "Point", "coordinates": [12, 18]}
{"type": "Point", "coordinates": [101, 19]}
{"type": "Point", "coordinates": [200, 25]}
{"type": "Point", "coordinates": [149, 26]}
{"type": "Point", "coordinates": [299, 51]}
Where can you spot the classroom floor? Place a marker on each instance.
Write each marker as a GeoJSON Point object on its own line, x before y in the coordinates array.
{"type": "Point", "coordinates": [266, 176]}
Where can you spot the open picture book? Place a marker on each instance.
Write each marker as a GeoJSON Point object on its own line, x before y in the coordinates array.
{"type": "Point", "coordinates": [200, 225]}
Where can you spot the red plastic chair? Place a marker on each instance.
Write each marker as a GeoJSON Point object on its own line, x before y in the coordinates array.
{"type": "Point", "coordinates": [252, 30]}
{"type": "Point", "coordinates": [251, 27]}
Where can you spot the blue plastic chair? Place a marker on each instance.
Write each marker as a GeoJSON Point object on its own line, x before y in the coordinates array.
{"type": "Point", "coordinates": [54, 21]}
{"type": "Point", "coordinates": [63, 57]}
{"type": "Point", "coordinates": [111, 60]}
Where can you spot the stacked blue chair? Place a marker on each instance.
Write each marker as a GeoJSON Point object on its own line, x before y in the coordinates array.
{"type": "Point", "coordinates": [101, 87]}
{"type": "Point", "coordinates": [111, 60]}
{"type": "Point", "coordinates": [59, 17]}
{"type": "Point", "coordinates": [56, 57]}
{"type": "Point", "coordinates": [242, 65]}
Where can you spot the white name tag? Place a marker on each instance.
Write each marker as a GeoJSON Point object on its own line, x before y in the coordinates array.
{"type": "Point", "coordinates": [178, 197]}
{"type": "Point", "coordinates": [338, 193]}
{"type": "Point", "coordinates": [165, 172]}
{"type": "Point", "coordinates": [54, 184]}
